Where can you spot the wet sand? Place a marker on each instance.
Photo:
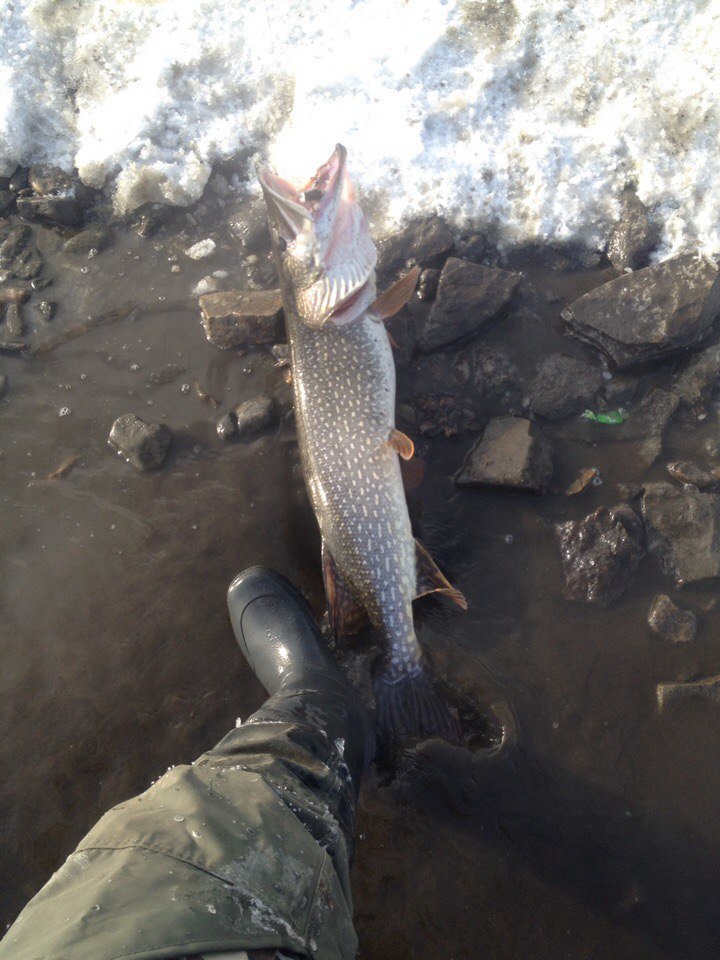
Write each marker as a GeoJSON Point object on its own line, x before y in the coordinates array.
{"type": "Point", "coordinates": [594, 834]}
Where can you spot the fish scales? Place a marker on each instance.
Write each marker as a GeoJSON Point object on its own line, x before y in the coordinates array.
{"type": "Point", "coordinates": [344, 384]}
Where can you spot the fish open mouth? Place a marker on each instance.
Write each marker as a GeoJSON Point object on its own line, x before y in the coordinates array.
{"type": "Point", "coordinates": [325, 212]}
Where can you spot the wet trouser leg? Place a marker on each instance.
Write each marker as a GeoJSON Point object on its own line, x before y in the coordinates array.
{"type": "Point", "coordinates": [248, 847]}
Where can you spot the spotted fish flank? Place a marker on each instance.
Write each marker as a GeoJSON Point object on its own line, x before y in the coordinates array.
{"type": "Point", "coordinates": [344, 384]}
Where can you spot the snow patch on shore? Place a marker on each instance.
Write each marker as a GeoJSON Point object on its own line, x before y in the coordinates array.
{"type": "Point", "coordinates": [526, 117]}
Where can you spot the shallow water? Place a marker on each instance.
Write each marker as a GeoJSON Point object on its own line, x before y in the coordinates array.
{"type": "Point", "coordinates": [592, 834]}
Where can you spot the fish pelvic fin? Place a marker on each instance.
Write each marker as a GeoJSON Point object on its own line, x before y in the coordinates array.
{"type": "Point", "coordinates": [430, 579]}
{"type": "Point", "coordinates": [412, 708]}
{"type": "Point", "coordinates": [395, 297]}
{"type": "Point", "coordinates": [346, 614]}
{"type": "Point", "coordinates": [401, 444]}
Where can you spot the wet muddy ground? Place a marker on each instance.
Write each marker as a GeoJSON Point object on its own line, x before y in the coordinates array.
{"type": "Point", "coordinates": [592, 833]}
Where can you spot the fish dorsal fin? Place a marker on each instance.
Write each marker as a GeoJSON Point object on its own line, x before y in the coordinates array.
{"type": "Point", "coordinates": [345, 613]}
{"type": "Point", "coordinates": [401, 444]}
{"type": "Point", "coordinates": [430, 578]}
{"type": "Point", "coordinates": [395, 297]}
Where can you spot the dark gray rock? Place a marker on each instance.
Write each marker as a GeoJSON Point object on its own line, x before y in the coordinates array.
{"type": "Point", "coordinates": [686, 472]}
{"type": "Point", "coordinates": [697, 690]}
{"type": "Point", "coordinates": [620, 390]}
{"type": "Point", "coordinates": [444, 414]}
{"type": "Point", "coordinates": [634, 236]}
{"type": "Point", "coordinates": [7, 198]}
{"type": "Point", "coordinates": [671, 623]}
{"type": "Point", "coordinates": [468, 297]}
{"type": "Point", "coordinates": [241, 318]}
{"type": "Point", "coordinates": [472, 246]}
{"type": "Point", "coordinates": [14, 325]}
{"type": "Point", "coordinates": [644, 429]}
{"type": "Point", "coordinates": [227, 426]}
{"type": "Point", "coordinates": [683, 530]}
{"type": "Point", "coordinates": [512, 452]}
{"type": "Point", "coordinates": [26, 265]}
{"type": "Point", "coordinates": [428, 284]}
{"type": "Point", "coordinates": [562, 386]}
{"type": "Point", "coordinates": [97, 237]}
{"type": "Point", "coordinates": [19, 180]}
{"type": "Point", "coordinates": [249, 226]}
{"type": "Point", "coordinates": [46, 309]}
{"type": "Point", "coordinates": [255, 415]}
{"type": "Point", "coordinates": [698, 380]}
{"type": "Point", "coordinates": [427, 243]}
{"type": "Point", "coordinates": [651, 313]}
{"type": "Point", "coordinates": [600, 554]}
{"type": "Point", "coordinates": [3, 384]}
{"type": "Point", "coordinates": [66, 211]}
{"type": "Point", "coordinates": [144, 445]}
{"type": "Point", "coordinates": [46, 180]}
{"type": "Point", "coordinates": [13, 240]}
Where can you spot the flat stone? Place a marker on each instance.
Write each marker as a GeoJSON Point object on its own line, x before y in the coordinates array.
{"type": "Point", "coordinates": [600, 554]}
{"type": "Point", "coordinates": [708, 689]}
{"type": "Point", "coordinates": [684, 471]}
{"type": "Point", "coordinates": [96, 237]}
{"type": "Point", "coordinates": [468, 296]}
{"type": "Point", "coordinates": [562, 386]}
{"type": "Point", "coordinates": [633, 236]}
{"type": "Point", "coordinates": [144, 445]}
{"type": "Point", "coordinates": [671, 623]}
{"type": "Point", "coordinates": [512, 452]}
{"type": "Point", "coordinates": [699, 378]}
{"type": "Point", "coordinates": [427, 243]}
{"type": "Point", "coordinates": [651, 313]}
{"type": "Point", "coordinates": [66, 211]}
{"type": "Point", "coordinates": [683, 530]}
{"type": "Point", "coordinates": [255, 415]}
{"type": "Point", "coordinates": [241, 318]}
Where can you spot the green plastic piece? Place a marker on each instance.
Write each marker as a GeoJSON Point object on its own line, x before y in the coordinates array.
{"type": "Point", "coordinates": [612, 416]}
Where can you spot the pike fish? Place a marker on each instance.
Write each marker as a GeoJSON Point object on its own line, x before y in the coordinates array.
{"type": "Point", "coordinates": [344, 391]}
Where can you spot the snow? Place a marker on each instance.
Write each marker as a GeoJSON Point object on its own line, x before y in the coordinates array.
{"type": "Point", "coordinates": [527, 117]}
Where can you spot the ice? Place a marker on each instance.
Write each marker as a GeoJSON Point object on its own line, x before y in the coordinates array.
{"type": "Point", "coordinates": [524, 116]}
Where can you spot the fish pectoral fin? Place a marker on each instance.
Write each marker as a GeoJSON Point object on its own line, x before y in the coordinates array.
{"type": "Point", "coordinates": [395, 297]}
{"type": "Point", "coordinates": [430, 579]}
{"type": "Point", "coordinates": [345, 613]}
{"type": "Point", "coordinates": [401, 444]}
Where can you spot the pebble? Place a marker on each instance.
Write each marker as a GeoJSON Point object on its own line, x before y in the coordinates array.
{"type": "Point", "coordinates": [201, 249]}
{"type": "Point", "coordinates": [670, 622]}
{"type": "Point", "coordinates": [144, 445]}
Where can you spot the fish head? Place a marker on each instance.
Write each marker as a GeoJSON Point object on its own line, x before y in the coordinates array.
{"type": "Point", "coordinates": [325, 246]}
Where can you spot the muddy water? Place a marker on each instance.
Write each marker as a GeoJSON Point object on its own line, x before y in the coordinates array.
{"type": "Point", "coordinates": [593, 833]}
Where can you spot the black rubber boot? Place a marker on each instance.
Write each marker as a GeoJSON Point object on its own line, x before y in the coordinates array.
{"type": "Point", "coordinates": [280, 640]}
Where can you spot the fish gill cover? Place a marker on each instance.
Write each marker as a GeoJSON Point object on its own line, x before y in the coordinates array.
{"type": "Point", "coordinates": [528, 117]}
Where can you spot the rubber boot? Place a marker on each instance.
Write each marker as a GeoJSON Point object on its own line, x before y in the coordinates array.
{"type": "Point", "coordinates": [279, 638]}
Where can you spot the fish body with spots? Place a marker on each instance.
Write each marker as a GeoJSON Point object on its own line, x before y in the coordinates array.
{"type": "Point", "coordinates": [344, 392]}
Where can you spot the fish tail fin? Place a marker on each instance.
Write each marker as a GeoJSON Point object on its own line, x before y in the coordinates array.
{"type": "Point", "coordinates": [413, 708]}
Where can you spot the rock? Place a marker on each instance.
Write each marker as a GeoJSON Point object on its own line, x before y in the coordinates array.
{"type": "Point", "coordinates": [3, 384]}
{"type": "Point", "coordinates": [669, 622]}
{"type": "Point", "coordinates": [708, 689]}
{"type": "Point", "coordinates": [472, 246]}
{"type": "Point", "coordinates": [241, 318]}
{"type": "Point", "coordinates": [651, 313]}
{"type": "Point", "coordinates": [444, 413]}
{"type": "Point", "coordinates": [562, 386]}
{"type": "Point", "coordinates": [26, 265]}
{"type": "Point", "coordinates": [645, 427]}
{"type": "Point", "coordinates": [14, 326]}
{"type": "Point", "coordinates": [686, 472]}
{"type": "Point", "coordinates": [7, 198]}
{"type": "Point", "coordinates": [249, 226]}
{"type": "Point", "coordinates": [490, 371]}
{"type": "Point", "coordinates": [255, 415]}
{"type": "Point", "coordinates": [19, 180]}
{"type": "Point", "coordinates": [201, 249]}
{"type": "Point", "coordinates": [427, 243]}
{"type": "Point", "coordinates": [66, 211]}
{"type": "Point", "coordinates": [150, 218]}
{"type": "Point", "coordinates": [96, 237]}
{"type": "Point", "coordinates": [144, 445]}
{"type": "Point", "coordinates": [16, 293]}
{"type": "Point", "coordinates": [699, 377]}
{"type": "Point", "coordinates": [428, 284]}
{"type": "Point", "coordinates": [51, 181]}
{"type": "Point", "coordinates": [512, 452]}
{"type": "Point", "coordinates": [600, 554]}
{"type": "Point", "coordinates": [13, 240]}
{"type": "Point", "coordinates": [468, 297]}
{"type": "Point", "coordinates": [620, 390]}
{"type": "Point", "coordinates": [227, 426]}
{"type": "Point", "coordinates": [633, 236]}
{"type": "Point", "coordinates": [46, 309]}
{"type": "Point", "coordinates": [683, 530]}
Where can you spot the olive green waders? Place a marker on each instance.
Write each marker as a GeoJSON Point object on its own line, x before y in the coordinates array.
{"type": "Point", "coordinates": [247, 848]}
